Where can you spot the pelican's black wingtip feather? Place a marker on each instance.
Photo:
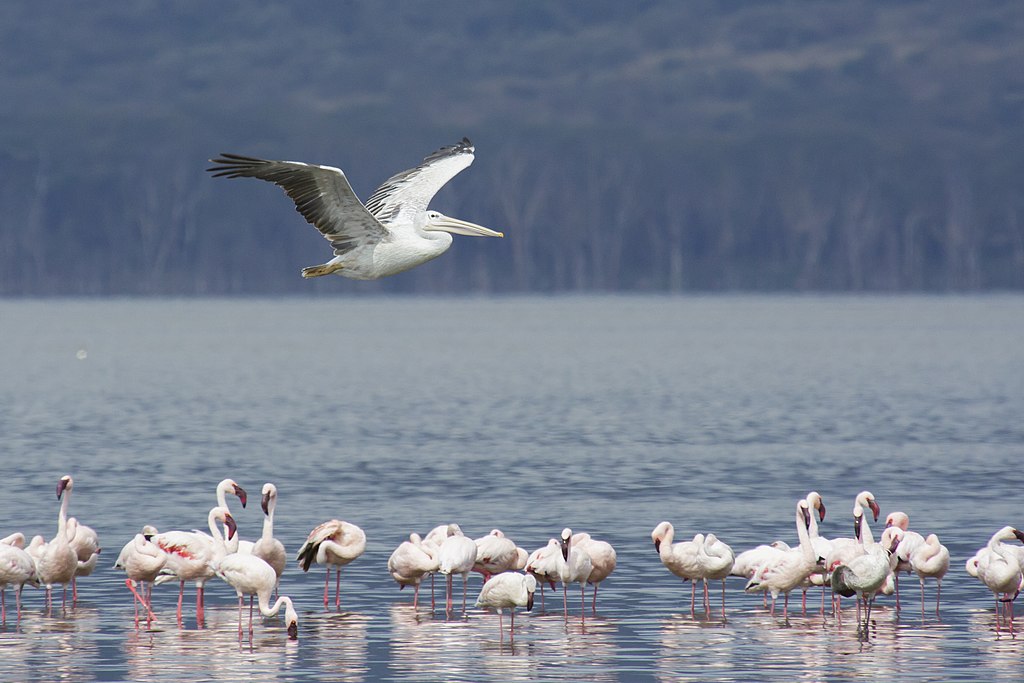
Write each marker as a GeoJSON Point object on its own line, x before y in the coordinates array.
{"type": "Point", "coordinates": [234, 165]}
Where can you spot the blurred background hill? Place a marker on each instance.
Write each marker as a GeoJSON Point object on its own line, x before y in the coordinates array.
{"type": "Point", "coordinates": [642, 146]}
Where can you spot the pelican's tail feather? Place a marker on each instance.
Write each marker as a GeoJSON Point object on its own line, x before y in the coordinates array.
{"type": "Point", "coordinates": [325, 269]}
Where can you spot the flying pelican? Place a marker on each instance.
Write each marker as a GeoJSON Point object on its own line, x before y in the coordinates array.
{"type": "Point", "coordinates": [391, 233]}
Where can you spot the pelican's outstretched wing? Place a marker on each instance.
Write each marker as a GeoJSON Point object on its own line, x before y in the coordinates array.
{"type": "Point", "coordinates": [322, 195]}
{"type": "Point", "coordinates": [411, 190]}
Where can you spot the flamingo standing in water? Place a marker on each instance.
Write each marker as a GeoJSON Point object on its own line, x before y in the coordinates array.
{"type": "Point", "coordinates": [411, 561]}
{"type": "Point", "coordinates": [716, 560]}
{"type": "Point", "coordinates": [602, 561]}
{"type": "Point", "coordinates": [679, 558]}
{"type": "Point", "coordinates": [494, 554]}
{"type": "Point", "coordinates": [333, 544]}
{"type": "Point", "coordinates": [251, 575]}
{"type": "Point", "coordinates": [786, 571]}
{"type": "Point", "coordinates": [457, 555]}
{"type": "Point", "coordinates": [845, 550]}
{"type": "Point", "coordinates": [189, 554]}
{"type": "Point", "coordinates": [86, 544]}
{"type": "Point", "coordinates": [16, 569]}
{"type": "Point", "coordinates": [575, 567]}
{"type": "Point", "coordinates": [56, 560]}
{"type": "Point", "coordinates": [866, 574]}
{"type": "Point", "coordinates": [999, 568]}
{"type": "Point", "coordinates": [507, 590]}
{"type": "Point", "coordinates": [909, 542]}
{"type": "Point", "coordinates": [141, 560]}
{"type": "Point", "coordinates": [268, 548]}
{"type": "Point", "coordinates": [930, 560]}
{"type": "Point", "coordinates": [542, 564]}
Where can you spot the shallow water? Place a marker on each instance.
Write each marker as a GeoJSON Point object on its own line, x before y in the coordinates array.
{"type": "Point", "coordinates": [528, 414]}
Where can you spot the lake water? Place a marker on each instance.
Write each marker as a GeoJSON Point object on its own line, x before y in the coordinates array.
{"type": "Point", "coordinates": [605, 414]}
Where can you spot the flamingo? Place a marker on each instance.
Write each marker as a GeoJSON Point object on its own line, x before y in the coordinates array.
{"type": "Point", "coordinates": [845, 550]}
{"type": "Point", "coordinates": [333, 544]}
{"type": "Point", "coordinates": [787, 570]}
{"type": "Point", "coordinates": [253, 576]}
{"type": "Point", "coordinates": [930, 559]}
{"type": "Point", "coordinates": [86, 544]}
{"type": "Point", "coordinates": [542, 563]}
{"type": "Point", "coordinates": [507, 590]}
{"type": "Point", "coordinates": [999, 568]}
{"type": "Point", "coordinates": [494, 554]}
{"type": "Point", "coordinates": [457, 555]}
{"type": "Point", "coordinates": [602, 559]}
{"type": "Point", "coordinates": [575, 567]}
{"type": "Point", "coordinates": [909, 542]}
{"type": "Point", "coordinates": [715, 559]}
{"type": "Point", "coordinates": [141, 560]}
{"type": "Point", "coordinates": [822, 547]}
{"type": "Point", "coordinates": [680, 558]}
{"type": "Point", "coordinates": [411, 561]}
{"type": "Point", "coordinates": [268, 548]}
{"type": "Point", "coordinates": [56, 560]}
{"type": "Point", "coordinates": [865, 575]}
{"type": "Point", "coordinates": [16, 569]}
{"type": "Point", "coordinates": [189, 555]}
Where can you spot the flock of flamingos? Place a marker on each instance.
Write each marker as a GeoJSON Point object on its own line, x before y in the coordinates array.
{"type": "Point", "coordinates": [857, 566]}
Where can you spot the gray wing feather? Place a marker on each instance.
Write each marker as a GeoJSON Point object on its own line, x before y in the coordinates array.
{"type": "Point", "coordinates": [410, 191]}
{"type": "Point", "coordinates": [322, 194]}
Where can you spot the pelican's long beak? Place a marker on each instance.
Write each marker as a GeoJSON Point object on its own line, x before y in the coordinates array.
{"type": "Point", "coordinates": [458, 227]}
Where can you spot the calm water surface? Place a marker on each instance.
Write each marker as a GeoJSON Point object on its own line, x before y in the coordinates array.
{"type": "Point", "coordinates": [603, 414]}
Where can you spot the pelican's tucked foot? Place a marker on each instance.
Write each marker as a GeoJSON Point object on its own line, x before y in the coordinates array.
{"type": "Point", "coordinates": [325, 269]}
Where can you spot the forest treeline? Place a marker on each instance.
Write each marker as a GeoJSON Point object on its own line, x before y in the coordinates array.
{"type": "Point", "coordinates": [656, 147]}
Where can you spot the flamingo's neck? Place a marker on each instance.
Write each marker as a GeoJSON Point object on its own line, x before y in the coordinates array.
{"type": "Point", "coordinates": [801, 531]}
{"type": "Point", "coordinates": [268, 521]}
{"type": "Point", "coordinates": [268, 610]}
{"type": "Point", "coordinates": [62, 517]}
{"type": "Point", "coordinates": [220, 548]}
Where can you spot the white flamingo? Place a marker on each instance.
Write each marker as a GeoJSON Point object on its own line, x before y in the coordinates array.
{"type": "Point", "coordinates": [253, 576]}
{"type": "Point", "coordinates": [575, 567]}
{"type": "Point", "coordinates": [716, 559]}
{"type": "Point", "coordinates": [602, 560]}
{"type": "Point", "coordinates": [822, 548]}
{"type": "Point", "coordinates": [16, 569]}
{"type": "Point", "coordinates": [909, 542]}
{"type": "Point", "coordinates": [190, 554]}
{"type": "Point", "coordinates": [141, 560]}
{"type": "Point", "coordinates": [86, 543]}
{"type": "Point", "coordinates": [268, 548]}
{"type": "Point", "coordinates": [999, 568]}
{"type": "Point", "coordinates": [411, 561]}
{"type": "Point", "coordinates": [865, 575]}
{"type": "Point", "coordinates": [787, 570]}
{"type": "Point", "coordinates": [507, 590]}
{"type": "Point", "coordinates": [542, 564]}
{"type": "Point", "coordinates": [930, 560]}
{"type": "Point", "coordinates": [494, 554]}
{"type": "Point", "coordinates": [680, 558]}
{"type": "Point", "coordinates": [333, 544]}
{"type": "Point", "coordinates": [845, 550]}
{"type": "Point", "coordinates": [457, 555]}
{"type": "Point", "coordinates": [56, 560]}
